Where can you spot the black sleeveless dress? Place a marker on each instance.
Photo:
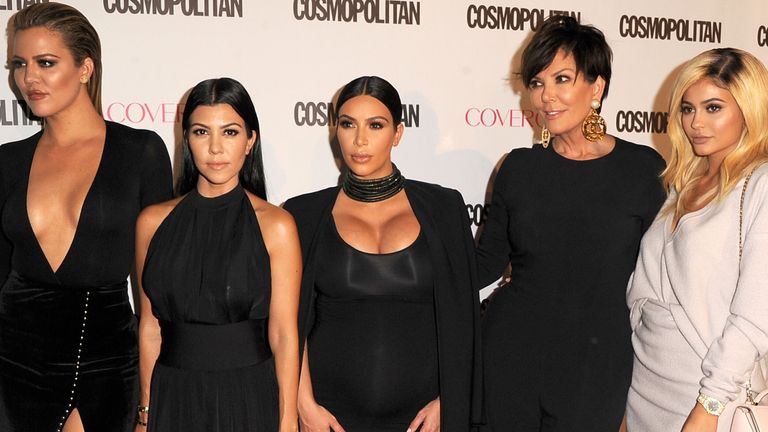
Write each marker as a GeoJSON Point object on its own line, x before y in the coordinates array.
{"type": "Point", "coordinates": [207, 275]}
{"type": "Point", "coordinates": [373, 347]}
{"type": "Point", "coordinates": [68, 337]}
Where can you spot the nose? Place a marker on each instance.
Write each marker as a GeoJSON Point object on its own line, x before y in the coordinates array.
{"type": "Point", "coordinates": [215, 145]}
{"type": "Point", "coordinates": [30, 74]}
{"type": "Point", "coordinates": [361, 137]}
{"type": "Point", "coordinates": [697, 120]}
{"type": "Point", "coordinates": [547, 93]}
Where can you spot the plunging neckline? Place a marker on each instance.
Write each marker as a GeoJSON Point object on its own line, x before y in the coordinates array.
{"type": "Point", "coordinates": [80, 214]}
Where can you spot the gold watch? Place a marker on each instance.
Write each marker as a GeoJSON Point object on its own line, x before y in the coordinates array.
{"type": "Point", "coordinates": [712, 405]}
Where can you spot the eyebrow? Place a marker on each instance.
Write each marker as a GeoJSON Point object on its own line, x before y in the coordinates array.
{"type": "Point", "coordinates": [714, 99]}
{"type": "Point", "coordinates": [562, 70]}
{"type": "Point", "coordinates": [223, 126]}
{"type": "Point", "coordinates": [37, 56]}
{"type": "Point", "coordinates": [368, 119]}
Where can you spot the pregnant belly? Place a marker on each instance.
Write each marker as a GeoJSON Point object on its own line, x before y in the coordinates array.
{"type": "Point", "coordinates": [374, 359]}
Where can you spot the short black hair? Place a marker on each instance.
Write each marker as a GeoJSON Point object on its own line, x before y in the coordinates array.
{"type": "Point", "coordinates": [231, 92]}
{"type": "Point", "coordinates": [585, 43]}
{"type": "Point", "coordinates": [375, 87]}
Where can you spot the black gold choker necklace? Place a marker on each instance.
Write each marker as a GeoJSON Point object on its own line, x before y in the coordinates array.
{"type": "Point", "coordinates": [375, 189]}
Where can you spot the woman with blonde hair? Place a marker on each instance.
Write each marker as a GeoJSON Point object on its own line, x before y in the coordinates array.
{"type": "Point", "coordinates": [697, 297]}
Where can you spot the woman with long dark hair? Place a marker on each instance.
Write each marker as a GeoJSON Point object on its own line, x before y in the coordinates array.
{"type": "Point", "coordinates": [70, 195]}
{"type": "Point", "coordinates": [389, 301]}
{"type": "Point", "coordinates": [220, 269]}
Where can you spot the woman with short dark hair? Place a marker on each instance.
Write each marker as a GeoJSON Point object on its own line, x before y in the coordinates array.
{"type": "Point", "coordinates": [568, 215]}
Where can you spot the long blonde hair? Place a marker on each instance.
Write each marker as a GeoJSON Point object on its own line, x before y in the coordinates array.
{"type": "Point", "coordinates": [746, 78]}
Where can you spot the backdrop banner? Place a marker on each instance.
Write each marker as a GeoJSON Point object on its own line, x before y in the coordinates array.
{"type": "Point", "coordinates": [453, 61]}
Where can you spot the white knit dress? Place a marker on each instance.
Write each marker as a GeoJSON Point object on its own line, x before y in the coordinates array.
{"type": "Point", "coordinates": [699, 322]}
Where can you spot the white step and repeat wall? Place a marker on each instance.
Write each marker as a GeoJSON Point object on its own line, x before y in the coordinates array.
{"type": "Point", "coordinates": [450, 60]}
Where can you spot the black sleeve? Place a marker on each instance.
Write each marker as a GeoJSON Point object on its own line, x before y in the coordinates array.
{"type": "Point", "coordinates": [156, 175]}
{"type": "Point", "coordinates": [655, 193]}
{"type": "Point", "coordinates": [493, 248]}
{"type": "Point", "coordinates": [5, 245]}
{"type": "Point", "coordinates": [476, 399]}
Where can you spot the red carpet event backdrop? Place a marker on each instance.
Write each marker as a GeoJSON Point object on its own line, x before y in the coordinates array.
{"type": "Point", "coordinates": [453, 62]}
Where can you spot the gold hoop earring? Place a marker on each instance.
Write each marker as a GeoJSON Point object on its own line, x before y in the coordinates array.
{"type": "Point", "coordinates": [593, 127]}
{"type": "Point", "coordinates": [545, 137]}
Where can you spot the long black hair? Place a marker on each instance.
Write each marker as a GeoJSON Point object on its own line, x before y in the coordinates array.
{"type": "Point", "coordinates": [223, 91]}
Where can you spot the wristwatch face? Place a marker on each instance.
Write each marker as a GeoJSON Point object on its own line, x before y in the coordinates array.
{"type": "Point", "coordinates": [713, 405]}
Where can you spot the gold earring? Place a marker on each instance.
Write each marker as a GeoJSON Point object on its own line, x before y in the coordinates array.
{"type": "Point", "coordinates": [545, 137]}
{"type": "Point", "coordinates": [593, 127]}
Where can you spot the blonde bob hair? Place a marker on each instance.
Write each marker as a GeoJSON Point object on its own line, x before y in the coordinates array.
{"type": "Point", "coordinates": [746, 78]}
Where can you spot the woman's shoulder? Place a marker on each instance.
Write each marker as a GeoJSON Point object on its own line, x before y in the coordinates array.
{"type": "Point", "coordinates": [432, 188]}
{"type": "Point", "coordinates": [639, 153]}
{"type": "Point", "coordinates": [128, 136]}
{"type": "Point", "coordinates": [15, 156]}
{"type": "Point", "coordinates": [276, 223]}
{"type": "Point", "coordinates": [152, 216]}
{"type": "Point", "coordinates": [759, 180]}
{"type": "Point", "coordinates": [310, 200]}
{"type": "Point", "coordinates": [15, 149]}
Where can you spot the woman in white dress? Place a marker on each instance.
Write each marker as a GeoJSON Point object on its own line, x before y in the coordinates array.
{"type": "Point", "coordinates": [699, 301]}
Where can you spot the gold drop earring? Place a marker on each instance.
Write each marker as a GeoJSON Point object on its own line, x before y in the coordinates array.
{"type": "Point", "coordinates": [545, 137]}
{"type": "Point", "coordinates": [593, 127]}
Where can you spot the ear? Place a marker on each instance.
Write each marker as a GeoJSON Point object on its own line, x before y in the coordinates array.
{"type": "Point", "coordinates": [251, 142]}
{"type": "Point", "coordinates": [398, 134]}
{"type": "Point", "coordinates": [598, 87]}
{"type": "Point", "coordinates": [86, 70]}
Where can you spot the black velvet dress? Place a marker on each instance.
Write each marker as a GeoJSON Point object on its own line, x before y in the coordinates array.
{"type": "Point", "coordinates": [68, 338]}
{"type": "Point", "coordinates": [207, 274]}
{"type": "Point", "coordinates": [373, 348]}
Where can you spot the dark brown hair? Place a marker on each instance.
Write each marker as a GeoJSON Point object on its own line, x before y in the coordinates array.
{"type": "Point", "coordinates": [585, 43]}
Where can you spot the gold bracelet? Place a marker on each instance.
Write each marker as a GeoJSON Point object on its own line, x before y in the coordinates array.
{"type": "Point", "coordinates": [141, 409]}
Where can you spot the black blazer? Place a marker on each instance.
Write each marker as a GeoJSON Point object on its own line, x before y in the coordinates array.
{"type": "Point", "coordinates": [443, 218]}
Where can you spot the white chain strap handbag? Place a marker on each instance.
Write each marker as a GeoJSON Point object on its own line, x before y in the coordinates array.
{"type": "Point", "coordinates": [749, 416]}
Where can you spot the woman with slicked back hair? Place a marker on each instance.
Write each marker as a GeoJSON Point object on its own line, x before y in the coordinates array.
{"type": "Point", "coordinates": [389, 303]}
{"type": "Point", "coordinates": [70, 195]}
{"type": "Point", "coordinates": [220, 269]}
{"type": "Point", "coordinates": [698, 295]}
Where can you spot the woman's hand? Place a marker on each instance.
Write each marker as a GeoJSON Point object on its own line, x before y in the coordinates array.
{"type": "Point", "coordinates": [315, 418]}
{"type": "Point", "coordinates": [428, 418]}
{"type": "Point", "coordinates": [699, 420]}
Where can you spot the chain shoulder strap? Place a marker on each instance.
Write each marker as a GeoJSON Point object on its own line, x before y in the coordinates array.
{"type": "Point", "coordinates": [750, 393]}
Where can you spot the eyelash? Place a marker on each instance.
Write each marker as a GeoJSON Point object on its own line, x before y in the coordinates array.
{"type": "Point", "coordinates": [534, 83]}
{"type": "Point", "coordinates": [711, 108]}
{"type": "Point", "coordinates": [43, 63]}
